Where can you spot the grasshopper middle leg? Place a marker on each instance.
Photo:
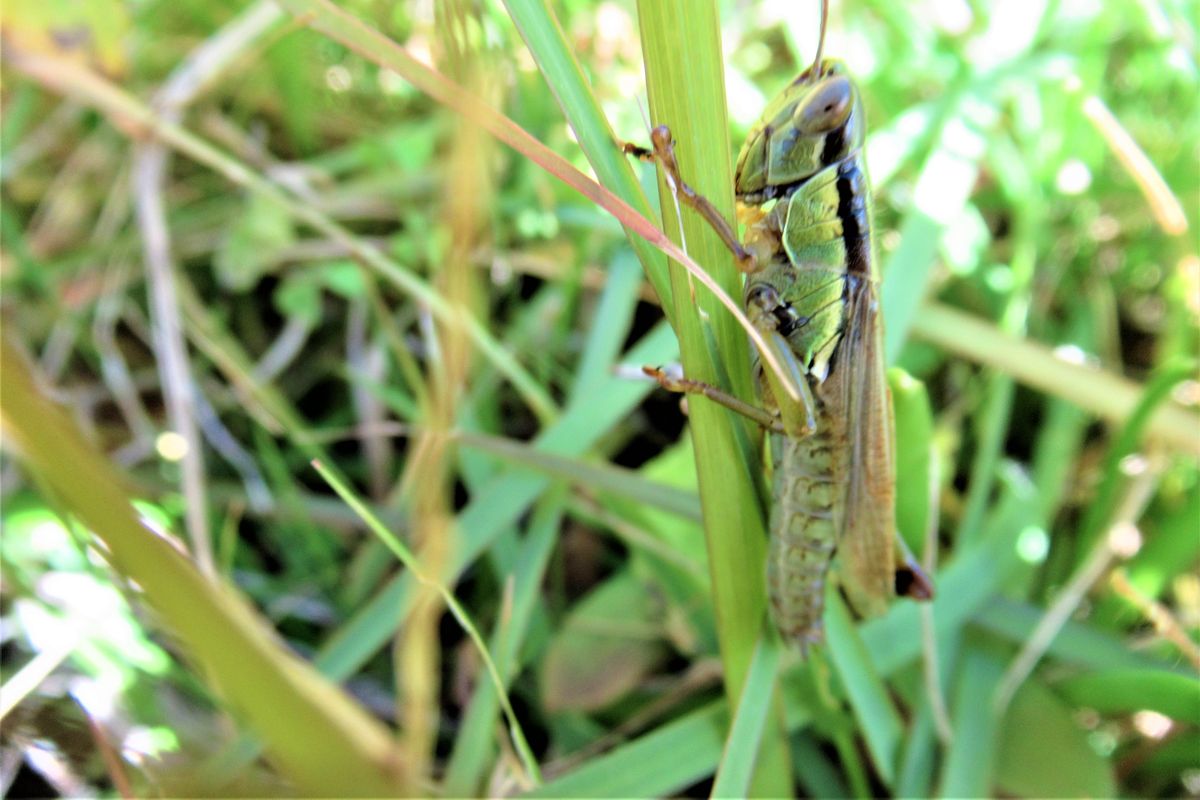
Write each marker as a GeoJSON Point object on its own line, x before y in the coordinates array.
{"type": "Point", "coordinates": [761, 416]}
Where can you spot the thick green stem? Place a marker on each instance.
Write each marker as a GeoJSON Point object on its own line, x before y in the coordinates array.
{"type": "Point", "coordinates": [685, 80]}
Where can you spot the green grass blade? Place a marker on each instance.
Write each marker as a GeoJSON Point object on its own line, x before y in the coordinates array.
{"type": "Point", "coordinates": [1156, 394]}
{"type": "Point", "coordinates": [660, 763]}
{"type": "Point", "coordinates": [684, 78]}
{"type": "Point", "coordinates": [814, 772]}
{"type": "Point", "coordinates": [947, 179]}
{"type": "Point", "coordinates": [969, 762]}
{"type": "Point", "coordinates": [556, 60]}
{"type": "Point", "coordinates": [604, 477]}
{"type": "Point", "coordinates": [1124, 691]}
{"type": "Point", "coordinates": [752, 716]}
{"type": "Point", "coordinates": [681, 44]}
{"type": "Point", "coordinates": [915, 775]}
{"type": "Point", "coordinates": [1076, 643]}
{"type": "Point", "coordinates": [915, 459]}
{"type": "Point", "coordinates": [877, 716]}
{"type": "Point", "coordinates": [613, 316]}
{"type": "Point", "coordinates": [473, 747]}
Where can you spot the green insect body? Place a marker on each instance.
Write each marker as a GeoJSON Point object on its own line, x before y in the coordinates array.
{"type": "Point", "coordinates": [803, 198]}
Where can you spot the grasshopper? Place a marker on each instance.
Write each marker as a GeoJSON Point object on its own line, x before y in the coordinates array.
{"type": "Point", "coordinates": [812, 293]}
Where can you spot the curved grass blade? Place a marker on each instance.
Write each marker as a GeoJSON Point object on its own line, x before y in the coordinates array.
{"type": "Point", "coordinates": [546, 41]}
{"type": "Point", "coordinates": [1103, 393]}
{"type": "Point", "coordinates": [464, 620]}
{"type": "Point", "coordinates": [370, 44]}
{"type": "Point", "coordinates": [472, 746]}
{"type": "Point", "coordinates": [868, 696]}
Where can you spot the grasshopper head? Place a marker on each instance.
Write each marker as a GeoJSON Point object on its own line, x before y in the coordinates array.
{"type": "Point", "coordinates": [814, 122]}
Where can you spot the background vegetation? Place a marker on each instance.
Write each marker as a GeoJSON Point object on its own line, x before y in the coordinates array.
{"type": "Point", "coordinates": [274, 278]}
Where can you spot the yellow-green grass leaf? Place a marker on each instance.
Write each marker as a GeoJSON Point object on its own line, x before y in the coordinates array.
{"type": "Point", "coordinates": [321, 740]}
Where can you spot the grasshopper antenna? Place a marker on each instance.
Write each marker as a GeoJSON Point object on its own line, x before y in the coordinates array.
{"type": "Point", "coordinates": [815, 72]}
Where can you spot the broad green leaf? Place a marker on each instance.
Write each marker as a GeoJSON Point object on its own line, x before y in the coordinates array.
{"type": "Point", "coordinates": [1043, 752]}
{"type": "Point", "coordinates": [606, 646]}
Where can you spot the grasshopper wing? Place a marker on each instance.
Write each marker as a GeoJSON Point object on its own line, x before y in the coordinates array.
{"type": "Point", "coordinates": [865, 553]}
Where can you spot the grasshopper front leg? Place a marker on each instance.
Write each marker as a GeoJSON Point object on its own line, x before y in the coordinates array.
{"type": "Point", "coordinates": [662, 152]}
{"type": "Point", "coordinates": [797, 406]}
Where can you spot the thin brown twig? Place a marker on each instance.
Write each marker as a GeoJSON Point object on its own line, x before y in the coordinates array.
{"type": "Point", "coordinates": [1098, 561]}
{"type": "Point", "coordinates": [1165, 207]}
{"type": "Point", "coordinates": [151, 160]}
{"type": "Point", "coordinates": [112, 761]}
{"type": "Point", "coordinates": [337, 24]}
{"type": "Point", "coordinates": [1159, 615]}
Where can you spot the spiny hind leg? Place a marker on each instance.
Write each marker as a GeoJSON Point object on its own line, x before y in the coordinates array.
{"type": "Point", "coordinates": [663, 153]}
{"type": "Point", "coordinates": [687, 386]}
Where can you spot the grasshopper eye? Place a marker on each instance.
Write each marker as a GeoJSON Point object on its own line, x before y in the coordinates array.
{"type": "Point", "coordinates": [827, 108]}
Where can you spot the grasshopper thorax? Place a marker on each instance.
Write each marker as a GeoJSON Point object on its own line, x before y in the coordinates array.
{"type": "Point", "coordinates": [817, 121]}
